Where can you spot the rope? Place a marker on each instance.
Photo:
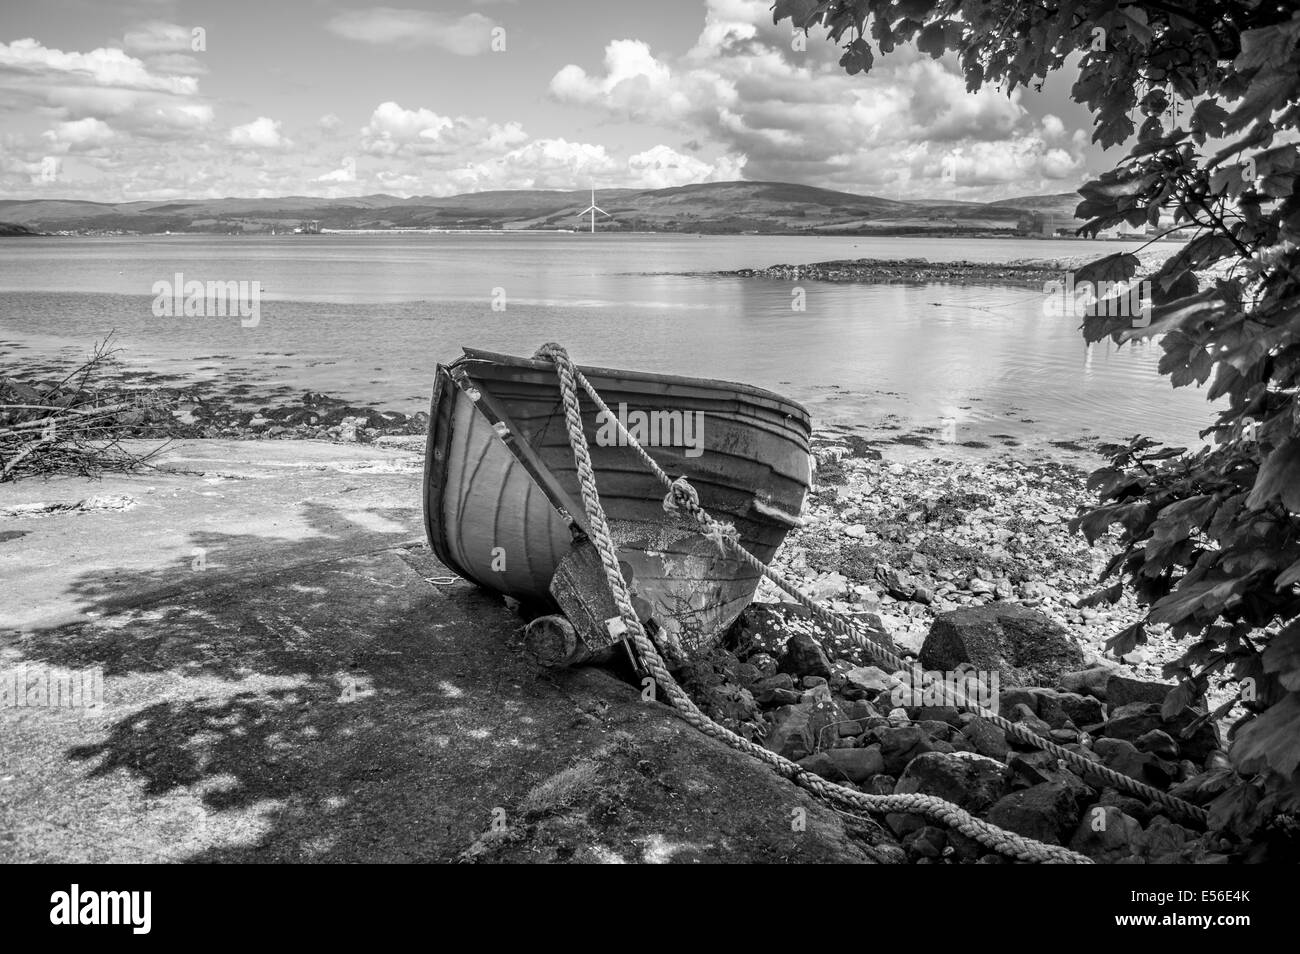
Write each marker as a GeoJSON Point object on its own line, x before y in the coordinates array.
{"type": "Point", "coordinates": [684, 498]}
{"type": "Point", "coordinates": [1003, 842]}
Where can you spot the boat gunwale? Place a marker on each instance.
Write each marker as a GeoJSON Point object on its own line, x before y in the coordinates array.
{"type": "Point", "coordinates": [797, 410]}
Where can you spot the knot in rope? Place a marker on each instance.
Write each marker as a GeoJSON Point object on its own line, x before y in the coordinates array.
{"type": "Point", "coordinates": [682, 497]}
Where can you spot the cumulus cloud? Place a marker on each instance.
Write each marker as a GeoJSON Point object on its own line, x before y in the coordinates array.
{"type": "Point", "coordinates": [790, 112]}
{"type": "Point", "coordinates": [262, 133]}
{"type": "Point", "coordinates": [79, 134]}
{"type": "Point", "coordinates": [466, 35]}
{"type": "Point", "coordinates": [393, 130]}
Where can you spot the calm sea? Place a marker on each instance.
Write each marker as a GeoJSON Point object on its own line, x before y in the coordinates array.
{"type": "Point", "coordinates": [367, 317]}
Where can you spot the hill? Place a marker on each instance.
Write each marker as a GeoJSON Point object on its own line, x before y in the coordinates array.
{"type": "Point", "coordinates": [713, 207]}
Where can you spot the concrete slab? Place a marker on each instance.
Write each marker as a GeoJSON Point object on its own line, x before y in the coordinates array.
{"type": "Point", "coordinates": [321, 693]}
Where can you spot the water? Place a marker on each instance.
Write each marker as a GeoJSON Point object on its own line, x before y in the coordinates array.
{"type": "Point", "coordinates": [367, 317]}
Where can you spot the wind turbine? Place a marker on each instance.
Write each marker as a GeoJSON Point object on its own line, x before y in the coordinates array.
{"type": "Point", "coordinates": [593, 209]}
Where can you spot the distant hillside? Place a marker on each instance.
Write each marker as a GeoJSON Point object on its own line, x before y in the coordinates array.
{"type": "Point", "coordinates": [1062, 203]}
{"type": "Point", "coordinates": [10, 230]}
{"type": "Point", "coordinates": [714, 207]}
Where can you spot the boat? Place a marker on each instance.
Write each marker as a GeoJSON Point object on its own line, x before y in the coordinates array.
{"type": "Point", "coordinates": [502, 504]}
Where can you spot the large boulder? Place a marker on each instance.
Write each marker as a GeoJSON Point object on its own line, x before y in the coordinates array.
{"type": "Point", "coordinates": [804, 656]}
{"type": "Point", "coordinates": [1022, 645]}
{"type": "Point", "coordinates": [973, 782]}
{"type": "Point", "coordinates": [1047, 812]}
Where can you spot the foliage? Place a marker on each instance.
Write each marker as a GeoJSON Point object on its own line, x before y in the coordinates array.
{"type": "Point", "coordinates": [1208, 91]}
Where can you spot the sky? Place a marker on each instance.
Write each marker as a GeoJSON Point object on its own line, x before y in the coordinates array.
{"type": "Point", "coordinates": [163, 99]}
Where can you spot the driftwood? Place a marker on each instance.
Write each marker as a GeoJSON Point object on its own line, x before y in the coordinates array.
{"type": "Point", "coordinates": [78, 428]}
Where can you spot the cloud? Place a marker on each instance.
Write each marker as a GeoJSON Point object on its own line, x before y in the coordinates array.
{"type": "Point", "coordinates": [262, 133]}
{"type": "Point", "coordinates": [785, 113]}
{"type": "Point", "coordinates": [159, 37]}
{"type": "Point", "coordinates": [393, 130]}
{"type": "Point", "coordinates": [103, 67]}
{"type": "Point", "coordinates": [80, 134]}
{"type": "Point", "coordinates": [466, 35]}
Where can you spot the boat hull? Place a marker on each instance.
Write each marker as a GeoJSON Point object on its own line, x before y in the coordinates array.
{"type": "Point", "coordinates": [502, 495]}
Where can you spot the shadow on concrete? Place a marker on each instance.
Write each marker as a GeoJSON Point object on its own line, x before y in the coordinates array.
{"type": "Point", "coordinates": [305, 705]}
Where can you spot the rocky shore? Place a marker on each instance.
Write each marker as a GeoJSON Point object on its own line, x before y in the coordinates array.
{"type": "Point", "coordinates": [921, 270]}
{"type": "Point", "coordinates": [969, 569]}
{"type": "Point", "coordinates": [139, 409]}
{"type": "Point", "coordinates": [963, 563]}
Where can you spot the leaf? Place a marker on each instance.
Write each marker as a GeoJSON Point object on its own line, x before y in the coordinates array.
{"type": "Point", "coordinates": [1198, 600]}
{"type": "Point", "coordinates": [1123, 642]}
{"type": "Point", "coordinates": [1210, 117]}
{"type": "Point", "coordinates": [800, 12]}
{"type": "Point", "coordinates": [1116, 268]}
{"type": "Point", "coordinates": [1271, 740]}
{"type": "Point", "coordinates": [1178, 699]}
{"type": "Point", "coordinates": [1279, 478]}
{"type": "Point", "coordinates": [1270, 47]}
{"type": "Point", "coordinates": [1289, 577]}
{"type": "Point", "coordinates": [1282, 655]}
{"type": "Point", "coordinates": [857, 57]}
{"type": "Point", "coordinates": [1236, 810]}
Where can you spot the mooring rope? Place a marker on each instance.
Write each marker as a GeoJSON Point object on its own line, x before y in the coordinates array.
{"type": "Point", "coordinates": [999, 840]}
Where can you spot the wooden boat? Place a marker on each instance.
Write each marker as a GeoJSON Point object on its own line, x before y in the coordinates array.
{"type": "Point", "coordinates": [503, 508]}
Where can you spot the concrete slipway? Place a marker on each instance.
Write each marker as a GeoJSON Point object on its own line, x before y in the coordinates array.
{"type": "Point", "coordinates": [290, 675]}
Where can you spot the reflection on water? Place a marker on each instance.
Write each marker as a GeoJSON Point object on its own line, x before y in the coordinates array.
{"type": "Point", "coordinates": [368, 318]}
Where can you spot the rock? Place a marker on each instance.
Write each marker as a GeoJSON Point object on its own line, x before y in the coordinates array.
{"type": "Point", "coordinates": [986, 738]}
{"type": "Point", "coordinates": [1035, 768]}
{"type": "Point", "coordinates": [870, 679]}
{"type": "Point", "coordinates": [1022, 645]}
{"type": "Point", "coordinates": [1124, 757]}
{"type": "Point", "coordinates": [1056, 708]}
{"type": "Point", "coordinates": [859, 710]}
{"type": "Point", "coordinates": [899, 745]}
{"type": "Point", "coordinates": [1008, 699]}
{"type": "Point", "coordinates": [1089, 682]}
{"type": "Point", "coordinates": [1106, 834]}
{"type": "Point", "coordinates": [804, 656]}
{"type": "Point", "coordinates": [926, 842]}
{"type": "Point", "coordinates": [777, 690]}
{"type": "Point", "coordinates": [1025, 716]}
{"type": "Point", "coordinates": [1121, 690]}
{"type": "Point", "coordinates": [797, 729]}
{"type": "Point", "coordinates": [923, 595]}
{"type": "Point", "coordinates": [948, 714]}
{"type": "Point", "coordinates": [902, 824]}
{"type": "Point", "coordinates": [812, 682]}
{"type": "Point", "coordinates": [880, 784]}
{"type": "Point", "coordinates": [855, 765]}
{"type": "Point", "coordinates": [1128, 804]}
{"type": "Point", "coordinates": [1158, 743]}
{"type": "Point", "coordinates": [970, 781]}
{"type": "Point", "coordinates": [1135, 719]}
{"type": "Point", "coordinates": [896, 584]}
{"type": "Point", "coordinates": [1047, 812]}
{"type": "Point", "coordinates": [777, 697]}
